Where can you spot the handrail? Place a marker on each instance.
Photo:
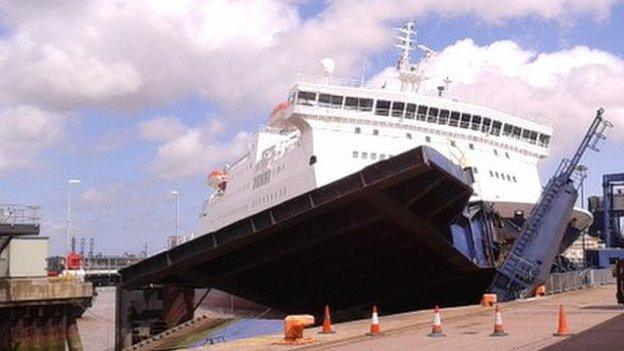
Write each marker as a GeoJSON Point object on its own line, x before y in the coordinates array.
{"type": "Point", "coordinates": [19, 214]}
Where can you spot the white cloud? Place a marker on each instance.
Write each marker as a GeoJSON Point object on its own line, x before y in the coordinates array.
{"type": "Point", "coordinates": [161, 129]}
{"type": "Point", "coordinates": [196, 150]}
{"type": "Point", "coordinates": [239, 54]}
{"type": "Point", "coordinates": [24, 132]}
{"type": "Point", "coordinates": [109, 195]}
{"type": "Point", "coordinates": [566, 87]}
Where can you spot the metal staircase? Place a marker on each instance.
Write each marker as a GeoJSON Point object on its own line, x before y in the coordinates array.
{"type": "Point", "coordinates": [529, 260]}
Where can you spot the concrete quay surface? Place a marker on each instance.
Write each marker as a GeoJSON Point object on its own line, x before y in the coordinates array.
{"type": "Point", "coordinates": [594, 318]}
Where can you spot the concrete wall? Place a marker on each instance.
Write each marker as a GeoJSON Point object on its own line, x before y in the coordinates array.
{"type": "Point", "coordinates": [24, 257]}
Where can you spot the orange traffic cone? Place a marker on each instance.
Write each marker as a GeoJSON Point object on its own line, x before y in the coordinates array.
{"type": "Point", "coordinates": [436, 329]}
{"type": "Point", "coordinates": [327, 326]}
{"type": "Point", "coordinates": [562, 329]}
{"type": "Point", "coordinates": [498, 324]}
{"type": "Point", "coordinates": [375, 329]}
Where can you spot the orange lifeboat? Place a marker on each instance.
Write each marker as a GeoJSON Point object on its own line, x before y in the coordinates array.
{"type": "Point", "coordinates": [217, 179]}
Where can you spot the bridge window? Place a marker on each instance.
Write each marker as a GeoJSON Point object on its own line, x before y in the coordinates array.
{"type": "Point", "coordinates": [444, 116]}
{"type": "Point", "coordinates": [306, 98]}
{"type": "Point", "coordinates": [408, 135]}
{"type": "Point", "coordinates": [355, 154]}
{"type": "Point", "coordinates": [351, 103]}
{"type": "Point", "coordinates": [428, 139]}
{"type": "Point", "coordinates": [432, 116]}
{"type": "Point", "coordinates": [516, 132]}
{"type": "Point", "coordinates": [375, 132]}
{"type": "Point", "coordinates": [476, 123]}
{"type": "Point", "coordinates": [544, 140]}
{"type": "Point", "coordinates": [485, 127]}
{"type": "Point", "coordinates": [496, 128]}
{"type": "Point", "coordinates": [373, 156]}
{"type": "Point", "coordinates": [397, 109]}
{"type": "Point", "coordinates": [336, 101]}
{"type": "Point", "coordinates": [465, 120]}
{"type": "Point", "coordinates": [382, 156]}
{"type": "Point", "coordinates": [358, 130]}
{"type": "Point", "coordinates": [382, 108]}
{"type": "Point", "coordinates": [526, 134]}
{"type": "Point", "coordinates": [410, 111]}
{"type": "Point", "coordinates": [324, 100]}
{"type": "Point", "coordinates": [422, 112]}
{"type": "Point", "coordinates": [514, 179]}
{"type": "Point", "coordinates": [365, 105]}
{"type": "Point", "coordinates": [533, 137]}
{"type": "Point", "coordinates": [365, 155]}
{"type": "Point", "coordinates": [454, 121]}
{"type": "Point", "coordinates": [507, 130]}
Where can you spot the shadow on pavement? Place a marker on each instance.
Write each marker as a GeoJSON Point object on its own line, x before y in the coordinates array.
{"type": "Point", "coordinates": [606, 336]}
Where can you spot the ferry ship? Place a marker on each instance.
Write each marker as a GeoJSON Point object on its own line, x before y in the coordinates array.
{"type": "Point", "coordinates": [329, 128]}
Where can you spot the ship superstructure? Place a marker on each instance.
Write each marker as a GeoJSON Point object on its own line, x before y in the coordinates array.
{"type": "Point", "coordinates": [329, 128]}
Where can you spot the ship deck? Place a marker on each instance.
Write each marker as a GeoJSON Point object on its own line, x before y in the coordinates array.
{"type": "Point", "coordinates": [378, 236]}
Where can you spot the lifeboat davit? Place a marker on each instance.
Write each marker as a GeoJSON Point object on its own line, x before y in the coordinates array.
{"type": "Point", "coordinates": [217, 179]}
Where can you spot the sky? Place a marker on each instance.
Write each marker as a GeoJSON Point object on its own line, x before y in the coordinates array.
{"type": "Point", "coordinates": [139, 98]}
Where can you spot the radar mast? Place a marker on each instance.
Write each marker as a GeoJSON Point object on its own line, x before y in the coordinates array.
{"type": "Point", "coordinates": [411, 75]}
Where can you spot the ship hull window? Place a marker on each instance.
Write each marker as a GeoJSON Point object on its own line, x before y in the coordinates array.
{"type": "Point", "coordinates": [306, 98]}
{"type": "Point", "coordinates": [382, 107]}
{"type": "Point", "coordinates": [465, 121]}
{"type": "Point", "coordinates": [410, 111]}
{"type": "Point", "coordinates": [365, 105]}
{"type": "Point", "coordinates": [422, 112]}
{"type": "Point", "coordinates": [324, 100]}
{"type": "Point", "coordinates": [544, 140]}
{"type": "Point", "coordinates": [476, 123]}
{"type": "Point", "coordinates": [507, 129]}
{"type": "Point", "coordinates": [397, 109]}
{"type": "Point", "coordinates": [351, 103]}
{"type": "Point", "coordinates": [485, 127]}
{"type": "Point", "coordinates": [336, 101]}
{"type": "Point", "coordinates": [444, 116]}
{"type": "Point", "coordinates": [454, 121]}
{"type": "Point", "coordinates": [496, 128]}
{"type": "Point", "coordinates": [432, 116]}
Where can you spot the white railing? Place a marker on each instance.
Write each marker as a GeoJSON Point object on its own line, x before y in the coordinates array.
{"type": "Point", "coordinates": [19, 214]}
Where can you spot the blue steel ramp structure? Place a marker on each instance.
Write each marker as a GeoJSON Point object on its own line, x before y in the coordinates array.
{"type": "Point", "coordinates": [379, 236]}
{"type": "Point", "coordinates": [530, 259]}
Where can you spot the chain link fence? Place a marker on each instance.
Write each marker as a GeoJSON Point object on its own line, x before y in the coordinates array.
{"type": "Point", "coordinates": [560, 282]}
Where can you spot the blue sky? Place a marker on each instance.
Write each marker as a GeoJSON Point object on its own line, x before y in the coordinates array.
{"type": "Point", "coordinates": [98, 124]}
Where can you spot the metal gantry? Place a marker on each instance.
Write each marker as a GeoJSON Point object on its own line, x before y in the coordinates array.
{"type": "Point", "coordinates": [530, 258]}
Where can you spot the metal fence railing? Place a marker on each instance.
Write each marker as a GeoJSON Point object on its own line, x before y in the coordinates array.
{"type": "Point", "coordinates": [560, 282]}
{"type": "Point", "coordinates": [19, 214]}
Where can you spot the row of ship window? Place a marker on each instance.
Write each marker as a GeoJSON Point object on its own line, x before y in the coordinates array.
{"type": "Point", "coordinates": [358, 130]}
{"type": "Point", "coordinates": [423, 113]}
{"type": "Point", "coordinates": [503, 176]}
{"type": "Point", "coordinates": [373, 156]}
{"type": "Point", "coordinates": [269, 197]}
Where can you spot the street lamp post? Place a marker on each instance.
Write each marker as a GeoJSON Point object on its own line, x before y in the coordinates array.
{"type": "Point", "coordinates": [70, 183]}
{"type": "Point", "coordinates": [582, 169]}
